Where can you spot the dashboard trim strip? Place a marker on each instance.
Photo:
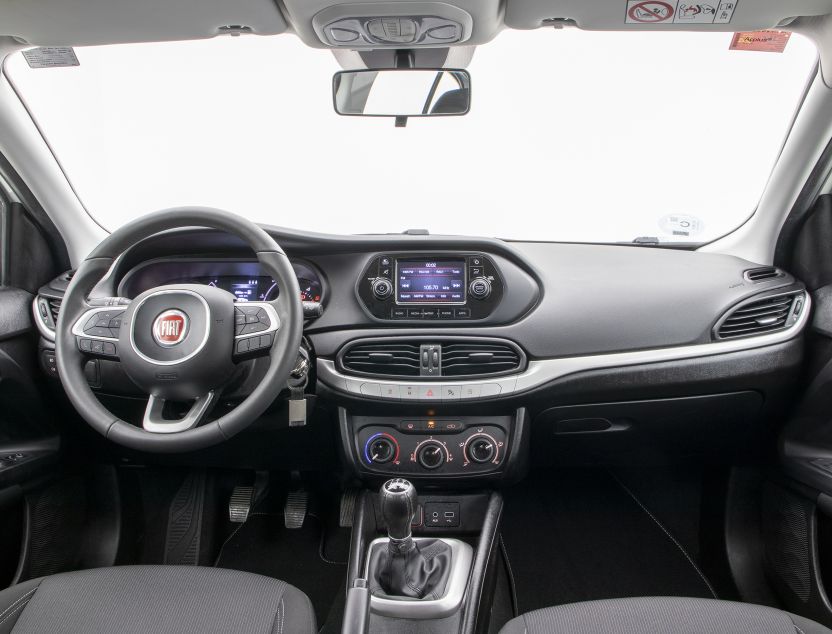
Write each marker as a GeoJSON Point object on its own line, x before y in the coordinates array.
{"type": "Point", "coordinates": [542, 371]}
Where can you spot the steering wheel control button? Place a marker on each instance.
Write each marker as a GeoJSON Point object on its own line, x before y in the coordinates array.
{"type": "Point", "coordinates": [170, 328]}
{"type": "Point", "coordinates": [85, 345]}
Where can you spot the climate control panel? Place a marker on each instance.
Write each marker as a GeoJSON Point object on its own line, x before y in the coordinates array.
{"type": "Point", "coordinates": [430, 286]}
{"type": "Point", "coordinates": [432, 446]}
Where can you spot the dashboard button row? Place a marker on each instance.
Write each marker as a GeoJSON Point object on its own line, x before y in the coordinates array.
{"type": "Point", "coordinates": [431, 313]}
{"type": "Point", "coordinates": [429, 391]}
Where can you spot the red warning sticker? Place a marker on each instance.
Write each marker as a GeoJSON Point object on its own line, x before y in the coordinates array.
{"type": "Point", "coordinates": [765, 41]}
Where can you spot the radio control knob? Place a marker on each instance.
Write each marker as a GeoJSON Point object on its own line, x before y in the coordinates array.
{"type": "Point", "coordinates": [382, 288]}
{"type": "Point", "coordinates": [480, 288]}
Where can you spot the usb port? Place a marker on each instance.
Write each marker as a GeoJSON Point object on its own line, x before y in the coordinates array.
{"type": "Point", "coordinates": [450, 514]}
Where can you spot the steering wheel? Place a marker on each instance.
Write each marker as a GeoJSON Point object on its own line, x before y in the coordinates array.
{"type": "Point", "coordinates": [179, 342]}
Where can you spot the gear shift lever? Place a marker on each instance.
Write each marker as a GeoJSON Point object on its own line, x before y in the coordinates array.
{"type": "Point", "coordinates": [405, 568]}
{"type": "Point", "coordinates": [398, 507]}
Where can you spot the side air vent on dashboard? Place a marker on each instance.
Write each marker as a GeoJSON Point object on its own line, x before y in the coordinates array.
{"type": "Point", "coordinates": [383, 358]}
{"type": "Point", "coordinates": [467, 359]}
{"type": "Point", "coordinates": [763, 273]}
{"type": "Point", "coordinates": [431, 358]}
{"type": "Point", "coordinates": [54, 307]}
{"type": "Point", "coordinates": [761, 316]}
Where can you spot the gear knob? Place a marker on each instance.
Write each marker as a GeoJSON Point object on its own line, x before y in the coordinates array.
{"type": "Point", "coordinates": [398, 507]}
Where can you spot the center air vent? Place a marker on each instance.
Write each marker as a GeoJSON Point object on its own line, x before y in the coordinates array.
{"type": "Point", "coordinates": [763, 273]}
{"type": "Point", "coordinates": [760, 316]}
{"type": "Point", "coordinates": [477, 358]}
{"type": "Point", "coordinates": [432, 358]}
{"type": "Point", "coordinates": [383, 358]}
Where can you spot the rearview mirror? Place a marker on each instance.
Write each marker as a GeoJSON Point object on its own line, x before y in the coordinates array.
{"type": "Point", "coordinates": [402, 92]}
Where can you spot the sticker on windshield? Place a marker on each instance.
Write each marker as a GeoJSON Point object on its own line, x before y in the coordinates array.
{"type": "Point", "coordinates": [680, 12]}
{"type": "Point", "coordinates": [764, 41]}
{"type": "Point", "coordinates": [681, 225]}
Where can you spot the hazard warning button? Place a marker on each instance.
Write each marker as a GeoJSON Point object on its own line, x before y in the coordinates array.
{"type": "Point", "coordinates": [430, 393]}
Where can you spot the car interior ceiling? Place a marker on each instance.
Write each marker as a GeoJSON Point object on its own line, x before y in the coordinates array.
{"type": "Point", "coordinates": [417, 432]}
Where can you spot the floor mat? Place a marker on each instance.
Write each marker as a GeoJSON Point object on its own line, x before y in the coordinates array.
{"type": "Point", "coordinates": [579, 535]}
{"type": "Point", "coordinates": [263, 545]}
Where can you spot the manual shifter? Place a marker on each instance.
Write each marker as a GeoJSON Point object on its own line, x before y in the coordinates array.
{"type": "Point", "coordinates": [407, 568]}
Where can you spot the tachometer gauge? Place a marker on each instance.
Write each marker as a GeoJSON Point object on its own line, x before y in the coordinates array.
{"type": "Point", "coordinates": [269, 290]}
{"type": "Point", "coordinates": [310, 290]}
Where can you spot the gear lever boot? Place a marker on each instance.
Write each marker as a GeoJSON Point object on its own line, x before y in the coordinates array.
{"type": "Point", "coordinates": [407, 569]}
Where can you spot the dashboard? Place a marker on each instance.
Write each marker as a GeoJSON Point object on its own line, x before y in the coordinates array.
{"type": "Point", "coordinates": [242, 279]}
{"type": "Point", "coordinates": [449, 356]}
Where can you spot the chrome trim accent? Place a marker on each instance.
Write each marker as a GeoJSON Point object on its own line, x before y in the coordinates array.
{"type": "Point", "coordinates": [78, 327]}
{"type": "Point", "coordinates": [273, 318]}
{"type": "Point", "coordinates": [44, 330]}
{"type": "Point", "coordinates": [198, 349]}
{"type": "Point", "coordinates": [154, 422]}
{"type": "Point", "coordinates": [461, 557]}
{"type": "Point", "coordinates": [542, 371]}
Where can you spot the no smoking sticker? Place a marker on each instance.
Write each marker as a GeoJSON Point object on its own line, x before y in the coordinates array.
{"type": "Point", "coordinates": [650, 11]}
{"type": "Point", "coordinates": [647, 12]}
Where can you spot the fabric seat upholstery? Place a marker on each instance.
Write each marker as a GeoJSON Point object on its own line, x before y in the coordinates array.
{"type": "Point", "coordinates": [159, 599]}
{"type": "Point", "coordinates": [661, 615]}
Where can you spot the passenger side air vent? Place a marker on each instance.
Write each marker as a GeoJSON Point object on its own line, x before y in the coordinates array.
{"type": "Point", "coordinates": [763, 273]}
{"type": "Point", "coordinates": [761, 316]}
{"type": "Point", "coordinates": [383, 358]}
{"type": "Point", "coordinates": [477, 358]}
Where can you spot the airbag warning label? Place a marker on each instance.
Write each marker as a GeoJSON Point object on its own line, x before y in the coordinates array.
{"type": "Point", "coordinates": [679, 12]}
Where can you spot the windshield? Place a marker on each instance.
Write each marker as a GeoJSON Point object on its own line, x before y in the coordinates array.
{"type": "Point", "coordinates": [571, 136]}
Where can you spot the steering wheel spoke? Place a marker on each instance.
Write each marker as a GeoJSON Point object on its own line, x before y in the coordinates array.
{"type": "Point", "coordinates": [154, 415]}
{"type": "Point", "coordinates": [97, 331]}
{"type": "Point", "coordinates": [255, 328]}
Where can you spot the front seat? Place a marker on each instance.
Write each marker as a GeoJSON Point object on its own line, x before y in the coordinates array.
{"type": "Point", "coordinates": [157, 599]}
{"type": "Point", "coordinates": [661, 615]}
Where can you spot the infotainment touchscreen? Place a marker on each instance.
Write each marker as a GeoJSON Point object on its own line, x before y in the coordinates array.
{"type": "Point", "coordinates": [430, 281]}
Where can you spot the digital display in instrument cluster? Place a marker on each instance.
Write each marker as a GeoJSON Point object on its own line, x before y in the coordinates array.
{"type": "Point", "coordinates": [259, 288]}
{"type": "Point", "coordinates": [430, 281]}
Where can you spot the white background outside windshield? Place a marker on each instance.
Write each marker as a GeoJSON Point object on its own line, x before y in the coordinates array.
{"type": "Point", "coordinates": [572, 136]}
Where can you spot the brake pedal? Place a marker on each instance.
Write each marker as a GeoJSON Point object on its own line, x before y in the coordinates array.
{"type": "Point", "coordinates": [239, 506]}
{"type": "Point", "coordinates": [348, 500]}
{"type": "Point", "coordinates": [295, 510]}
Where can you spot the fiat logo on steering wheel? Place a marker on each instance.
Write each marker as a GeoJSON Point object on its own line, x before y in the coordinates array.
{"type": "Point", "coordinates": [170, 328]}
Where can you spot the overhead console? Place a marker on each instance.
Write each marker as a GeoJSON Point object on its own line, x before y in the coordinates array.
{"type": "Point", "coordinates": [430, 287]}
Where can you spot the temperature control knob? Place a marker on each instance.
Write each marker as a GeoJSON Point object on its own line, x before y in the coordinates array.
{"type": "Point", "coordinates": [431, 455]}
{"type": "Point", "coordinates": [381, 449]}
{"type": "Point", "coordinates": [480, 288]}
{"type": "Point", "coordinates": [481, 449]}
{"type": "Point", "coordinates": [382, 288]}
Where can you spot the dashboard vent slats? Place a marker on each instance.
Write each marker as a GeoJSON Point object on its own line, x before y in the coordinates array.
{"type": "Point", "coordinates": [760, 316]}
{"type": "Point", "coordinates": [392, 358]}
{"type": "Point", "coordinates": [763, 273]}
{"type": "Point", "coordinates": [54, 308]}
{"type": "Point", "coordinates": [460, 358]}
{"type": "Point", "coordinates": [476, 358]}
